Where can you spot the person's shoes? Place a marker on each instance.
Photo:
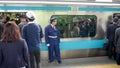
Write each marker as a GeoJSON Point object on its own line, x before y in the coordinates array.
{"type": "Point", "coordinates": [50, 61]}
{"type": "Point", "coordinates": [114, 58]}
{"type": "Point", "coordinates": [109, 57]}
{"type": "Point", "coordinates": [59, 62]}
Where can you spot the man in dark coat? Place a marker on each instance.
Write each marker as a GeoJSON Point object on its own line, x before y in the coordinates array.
{"type": "Point", "coordinates": [32, 33]}
{"type": "Point", "coordinates": [84, 29]}
{"type": "Point", "coordinates": [117, 44]}
{"type": "Point", "coordinates": [110, 36]}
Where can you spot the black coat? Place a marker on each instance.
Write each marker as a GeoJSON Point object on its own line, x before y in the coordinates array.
{"type": "Point", "coordinates": [14, 54]}
{"type": "Point", "coordinates": [117, 40]}
{"type": "Point", "coordinates": [111, 31]}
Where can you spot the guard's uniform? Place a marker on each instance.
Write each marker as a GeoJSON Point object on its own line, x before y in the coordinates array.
{"type": "Point", "coordinates": [52, 38]}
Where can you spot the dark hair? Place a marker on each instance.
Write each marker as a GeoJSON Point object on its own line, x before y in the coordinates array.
{"type": "Point", "coordinates": [7, 18]}
{"type": "Point", "coordinates": [23, 16]}
{"type": "Point", "coordinates": [31, 19]}
{"type": "Point", "coordinates": [11, 32]}
{"type": "Point", "coordinates": [115, 19]}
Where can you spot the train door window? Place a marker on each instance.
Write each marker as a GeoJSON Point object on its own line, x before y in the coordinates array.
{"type": "Point", "coordinates": [72, 26]}
{"type": "Point", "coordinates": [13, 16]}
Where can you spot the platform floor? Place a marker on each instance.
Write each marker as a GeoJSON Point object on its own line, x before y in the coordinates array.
{"type": "Point", "coordinates": [91, 62]}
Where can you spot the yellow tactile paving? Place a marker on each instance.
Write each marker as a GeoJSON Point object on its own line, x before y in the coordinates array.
{"type": "Point", "coordinates": [101, 66]}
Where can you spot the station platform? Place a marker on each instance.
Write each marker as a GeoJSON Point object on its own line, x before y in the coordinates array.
{"type": "Point", "coordinates": [90, 62]}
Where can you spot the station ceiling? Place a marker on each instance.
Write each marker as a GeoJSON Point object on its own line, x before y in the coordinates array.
{"type": "Point", "coordinates": [60, 2]}
{"type": "Point", "coordinates": [114, 1]}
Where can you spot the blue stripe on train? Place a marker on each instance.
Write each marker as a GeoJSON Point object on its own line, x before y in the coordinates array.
{"type": "Point", "coordinates": [49, 8]}
{"type": "Point", "coordinates": [97, 9]}
{"type": "Point", "coordinates": [56, 8]}
{"type": "Point", "coordinates": [78, 44]}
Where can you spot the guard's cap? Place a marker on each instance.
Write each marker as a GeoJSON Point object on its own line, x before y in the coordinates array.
{"type": "Point", "coordinates": [52, 19]}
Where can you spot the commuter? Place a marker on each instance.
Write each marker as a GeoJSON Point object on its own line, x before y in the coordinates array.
{"type": "Point", "coordinates": [23, 22]}
{"type": "Point", "coordinates": [32, 33]}
{"type": "Point", "coordinates": [1, 25]}
{"type": "Point", "coordinates": [76, 30]}
{"type": "Point", "coordinates": [92, 28]}
{"type": "Point", "coordinates": [7, 19]}
{"type": "Point", "coordinates": [52, 37]}
{"type": "Point", "coordinates": [13, 50]}
{"type": "Point", "coordinates": [117, 44]}
{"type": "Point", "coordinates": [110, 36]}
{"type": "Point", "coordinates": [84, 29]}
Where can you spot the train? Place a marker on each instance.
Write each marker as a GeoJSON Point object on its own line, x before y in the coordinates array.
{"type": "Point", "coordinates": [94, 17]}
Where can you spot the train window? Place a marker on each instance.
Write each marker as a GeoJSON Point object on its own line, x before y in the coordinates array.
{"type": "Point", "coordinates": [72, 26]}
{"type": "Point", "coordinates": [12, 16]}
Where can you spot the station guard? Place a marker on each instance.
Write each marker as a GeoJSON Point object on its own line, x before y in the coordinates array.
{"type": "Point", "coordinates": [52, 37]}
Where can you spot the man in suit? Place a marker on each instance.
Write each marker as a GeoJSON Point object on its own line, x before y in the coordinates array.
{"type": "Point", "coordinates": [52, 38]}
{"type": "Point", "coordinates": [117, 44]}
{"type": "Point", "coordinates": [110, 36]}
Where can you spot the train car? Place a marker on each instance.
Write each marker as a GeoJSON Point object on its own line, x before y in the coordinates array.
{"type": "Point", "coordinates": [82, 25]}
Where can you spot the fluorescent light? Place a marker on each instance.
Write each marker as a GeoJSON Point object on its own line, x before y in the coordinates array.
{"type": "Point", "coordinates": [16, 11]}
{"type": "Point", "coordinates": [103, 0]}
{"type": "Point", "coordinates": [58, 3]}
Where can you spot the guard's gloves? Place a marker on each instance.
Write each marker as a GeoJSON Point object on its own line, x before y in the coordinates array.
{"type": "Point", "coordinates": [48, 45]}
